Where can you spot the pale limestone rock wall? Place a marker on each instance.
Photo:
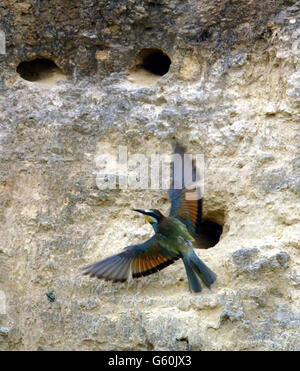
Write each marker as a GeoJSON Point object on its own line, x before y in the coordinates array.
{"type": "Point", "coordinates": [232, 93]}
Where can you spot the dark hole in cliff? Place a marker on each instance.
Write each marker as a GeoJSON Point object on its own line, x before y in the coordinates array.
{"type": "Point", "coordinates": [212, 226]}
{"type": "Point", "coordinates": [39, 69]}
{"type": "Point", "coordinates": [155, 61]}
{"type": "Point", "coordinates": [148, 66]}
{"type": "Point", "coordinates": [211, 232]}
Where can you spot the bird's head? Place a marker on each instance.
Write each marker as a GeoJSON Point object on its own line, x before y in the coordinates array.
{"type": "Point", "coordinates": [153, 216]}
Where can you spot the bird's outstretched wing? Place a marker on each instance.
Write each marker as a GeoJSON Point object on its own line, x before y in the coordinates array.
{"type": "Point", "coordinates": [188, 209]}
{"type": "Point", "coordinates": [136, 260]}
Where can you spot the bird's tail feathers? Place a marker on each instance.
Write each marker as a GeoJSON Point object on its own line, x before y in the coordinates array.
{"type": "Point", "coordinates": [195, 267]}
{"type": "Point", "coordinates": [194, 282]}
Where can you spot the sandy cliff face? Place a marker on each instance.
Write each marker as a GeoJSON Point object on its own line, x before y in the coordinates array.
{"type": "Point", "coordinates": [231, 93]}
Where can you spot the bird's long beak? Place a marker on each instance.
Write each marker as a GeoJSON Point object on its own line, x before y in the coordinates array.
{"type": "Point", "coordinates": [140, 211]}
{"type": "Point", "coordinates": [149, 218]}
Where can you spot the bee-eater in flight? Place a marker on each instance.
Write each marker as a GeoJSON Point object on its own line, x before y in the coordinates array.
{"type": "Point", "coordinates": [173, 239]}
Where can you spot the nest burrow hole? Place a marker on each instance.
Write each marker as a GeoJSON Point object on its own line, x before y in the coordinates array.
{"type": "Point", "coordinates": [154, 61]}
{"type": "Point", "coordinates": [211, 231]}
{"type": "Point", "coordinates": [37, 69]}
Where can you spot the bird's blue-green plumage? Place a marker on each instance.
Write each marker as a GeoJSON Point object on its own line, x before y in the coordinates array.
{"type": "Point", "coordinates": [171, 242]}
{"type": "Point", "coordinates": [173, 239]}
